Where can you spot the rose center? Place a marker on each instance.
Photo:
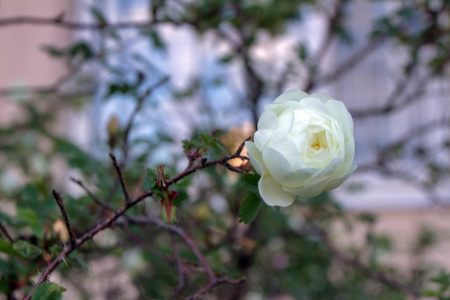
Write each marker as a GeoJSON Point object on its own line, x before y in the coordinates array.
{"type": "Point", "coordinates": [319, 141]}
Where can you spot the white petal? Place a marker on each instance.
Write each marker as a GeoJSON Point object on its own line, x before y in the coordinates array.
{"type": "Point", "coordinates": [268, 120]}
{"type": "Point", "coordinates": [324, 97]}
{"type": "Point", "coordinates": [255, 158]}
{"type": "Point", "coordinates": [267, 124]}
{"type": "Point", "coordinates": [349, 155]}
{"type": "Point", "coordinates": [327, 172]}
{"type": "Point", "coordinates": [281, 169]}
{"type": "Point", "coordinates": [338, 181]}
{"type": "Point", "coordinates": [291, 95]}
{"type": "Point", "coordinates": [273, 193]}
{"type": "Point", "coordinates": [314, 104]}
{"type": "Point", "coordinates": [309, 191]}
{"type": "Point", "coordinates": [339, 112]}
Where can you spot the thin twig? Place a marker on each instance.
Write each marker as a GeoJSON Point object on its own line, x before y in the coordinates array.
{"type": "Point", "coordinates": [120, 175]}
{"type": "Point", "coordinates": [58, 199]}
{"type": "Point", "coordinates": [28, 20]}
{"type": "Point", "coordinates": [129, 126]}
{"type": "Point", "coordinates": [187, 240]}
{"type": "Point", "coordinates": [352, 62]}
{"type": "Point", "coordinates": [221, 161]}
{"type": "Point", "coordinates": [100, 203]}
{"type": "Point", "coordinates": [122, 210]}
{"type": "Point", "coordinates": [391, 106]}
{"type": "Point", "coordinates": [6, 233]}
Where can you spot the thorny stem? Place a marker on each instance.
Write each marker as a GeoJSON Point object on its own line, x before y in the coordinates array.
{"type": "Point", "coordinates": [128, 204]}
{"type": "Point", "coordinates": [122, 182]}
{"type": "Point", "coordinates": [58, 199]}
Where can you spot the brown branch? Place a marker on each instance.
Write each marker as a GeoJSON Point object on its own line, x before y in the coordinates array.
{"type": "Point", "coordinates": [129, 126]}
{"type": "Point", "coordinates": [120, 175]}
{"type": "Point", "coordinates": [122, 210]}
{"type": "Point", "coordinates": [58, 199]}
{"type": "Point", "coordinates": [332, 26]}
{"type": "Point", "coordinates": [68, 25]}
{"type": "Point", "coordinates": [204, 164]}
{"type": "Point", "coordinates": [85, 237]}
{"type": "Point", "coordinates": [6, 233]}
{"type": "Point", "coordinates": [352, 62]}
{"type": "Point", "coordinates": [391, 104]}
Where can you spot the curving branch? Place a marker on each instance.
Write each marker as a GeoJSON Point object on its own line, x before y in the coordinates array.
{"type": "Point", "coordinates": [130, 202]}
{"type": "Point", "coordinates": [69, 25]}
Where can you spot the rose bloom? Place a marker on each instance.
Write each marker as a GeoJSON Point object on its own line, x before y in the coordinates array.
{"type": "Point", "coordinates": [303, 146]}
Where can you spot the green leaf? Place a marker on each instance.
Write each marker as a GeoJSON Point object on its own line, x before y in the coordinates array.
{"type": "Point", "coordinates": [27, 250]}
{"type": "Point", "coordinates": [48, 291]}
{"type": "Point", "coordinates": [226, 58]}
{"type": "Point", "coordinates": [74, 255]}
{"type": "Point", "coordinates": [28, 217]}
{"type": "Point", "coordinates": [150, 179]}
{"type": "Point", "coordinates": [182, 195]}
{"type": "Point", "coordinates": [250, 182]}
{"type": "Point", "coordinates": [249, 208]}
{"type": "Point", "coordinates": [7, 247]}
{"type": "Point", "coordinates": [82, 49]}
{"type": "Point", "coordinates": [430, 293]}
{"type": "Point", "coordinates": [119, 88]}
{"type": "Point", "coordinates": [98, 15]}
{"type": "Point", "coordinates": [54, 51]}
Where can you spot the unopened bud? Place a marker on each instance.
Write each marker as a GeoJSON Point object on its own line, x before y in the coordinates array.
{"type": "Point", "coordinates": [61, 230]}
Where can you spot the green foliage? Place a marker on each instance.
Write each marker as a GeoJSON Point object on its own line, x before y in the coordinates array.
{"type": "Point", "coordinates": [27, 250]}
{"type": "Point", "coordinates": [249, 208]}
{"type": "Point", "coordinates": [48, 291]}
{"type": "Point", "coordinates": [79, 49]}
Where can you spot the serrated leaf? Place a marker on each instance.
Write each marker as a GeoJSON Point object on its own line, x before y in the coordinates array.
{"type": "Point", "coordinates": [27, 250]}
{"type": "Point", "coordinates": [250, 182]}
{"type": "Point", "coordinates": [249, 208]}
{"type": "Point", "coordinates": [48, 291]}
{"type": "Point", "coordinates": [150, 179]}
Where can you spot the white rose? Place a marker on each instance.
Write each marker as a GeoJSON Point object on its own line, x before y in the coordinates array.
{"type": "Point", "coordinates": [303, 146]}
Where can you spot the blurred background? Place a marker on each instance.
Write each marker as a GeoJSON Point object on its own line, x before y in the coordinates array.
{"type": "Point", "coordinates": [73, 73]}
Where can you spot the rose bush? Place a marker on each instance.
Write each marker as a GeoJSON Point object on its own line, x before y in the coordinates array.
{"type": "Point", "coordinates": [303, 146]}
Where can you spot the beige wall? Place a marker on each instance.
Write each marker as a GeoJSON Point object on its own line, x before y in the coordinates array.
{"type": "Point", "coordinates": [21, 57]}
{"type": "Point", "coordinates": [22, 62]}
